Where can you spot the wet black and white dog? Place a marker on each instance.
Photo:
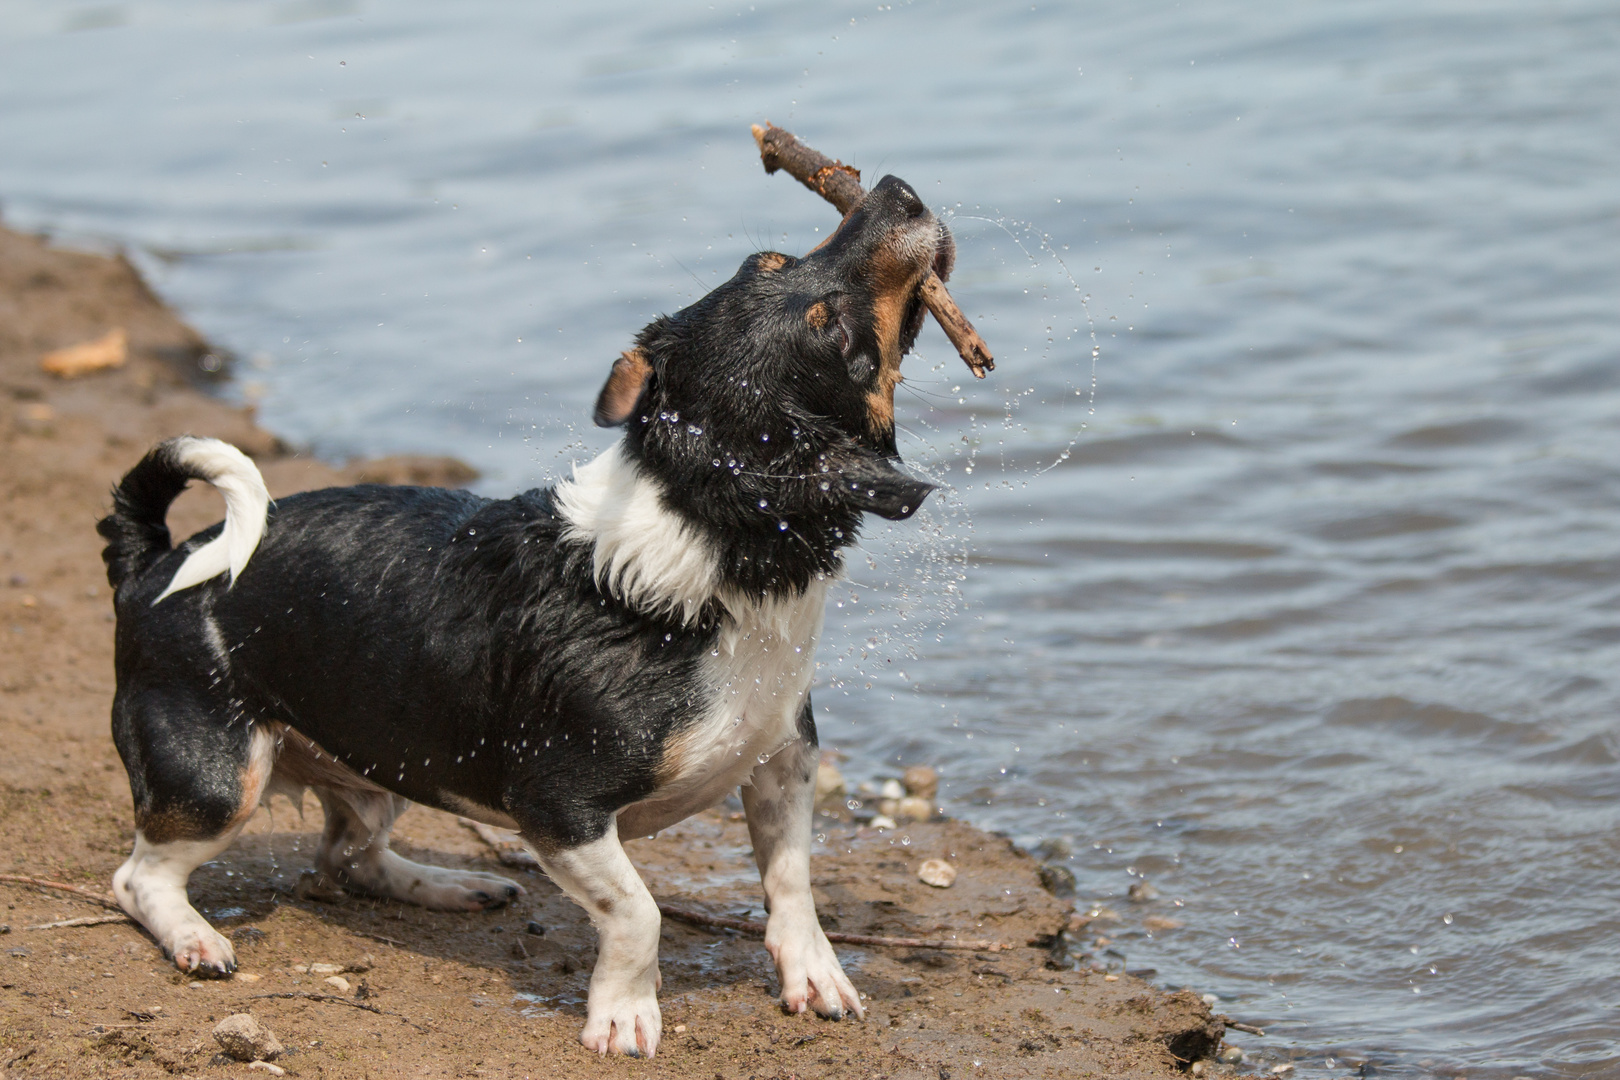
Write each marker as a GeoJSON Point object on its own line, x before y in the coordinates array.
{"type": "Point", "coordinates": [585, 662]}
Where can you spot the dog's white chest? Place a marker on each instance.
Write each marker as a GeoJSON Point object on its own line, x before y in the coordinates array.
{"type": "Point", "coordinates": [757, 676]}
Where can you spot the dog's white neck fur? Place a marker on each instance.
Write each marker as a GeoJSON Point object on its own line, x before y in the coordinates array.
{"type": "Point", "coordinates": [642, 552]}
{"type": "Point", "coordinates": [246, 505]}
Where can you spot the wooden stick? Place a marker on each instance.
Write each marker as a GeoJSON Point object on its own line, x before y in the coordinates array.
{"type": "Point", "coordinates": [840, 185]}
{"type": "Point", "coordinates": [1250, 1028]}
{"type": "Point", "coordinates": [757, 929]}
{"type": "Point", "coordinates": [104, 899]}
{"type": "Point", "coordinates": [333, 999]}
{"type": "Point", "coordinates": [88, 920]}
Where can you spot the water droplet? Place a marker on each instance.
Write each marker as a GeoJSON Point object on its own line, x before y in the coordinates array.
{"type": "Point", "coordinates": [763, 504]}
{"type": "Point", "coordinates": [782, 525]}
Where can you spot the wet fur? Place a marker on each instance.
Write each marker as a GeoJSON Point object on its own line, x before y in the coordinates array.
{"type": "Point", "coordinates": [600, 658]}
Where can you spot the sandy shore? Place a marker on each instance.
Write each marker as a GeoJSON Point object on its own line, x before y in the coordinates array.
{"type": "Point", "coordinates": [432, 994]}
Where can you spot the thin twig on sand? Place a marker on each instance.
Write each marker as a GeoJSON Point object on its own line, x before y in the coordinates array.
{"type": "Point", "coordinates": [333, 999]}
{"type": "Point", "coordinates": [88, 920]}
{"type": "Point", "coordinates": [757, 929]}
{"type": "Point", "coordinates": [840, 185]}
{"type": "Point", "coordinates": [104, 899]}
{"type": "Point", "coordinates": [1250, 1028]}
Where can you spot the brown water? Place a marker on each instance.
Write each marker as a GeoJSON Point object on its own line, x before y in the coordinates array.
{"type": "Point", "coordinates": [1316, 625]}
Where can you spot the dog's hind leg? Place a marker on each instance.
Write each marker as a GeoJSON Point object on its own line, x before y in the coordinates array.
{"type": "Point", "coordinates": [195, 785]}
{"type": "Point", "coordinates": [354, 853]}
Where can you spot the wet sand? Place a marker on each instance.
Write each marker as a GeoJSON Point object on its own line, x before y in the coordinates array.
{"type": "Point", "coordinates": [434, 994]}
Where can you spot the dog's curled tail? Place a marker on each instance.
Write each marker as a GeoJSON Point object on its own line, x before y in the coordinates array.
{"type": "Point", "coordinates": [135, 531]}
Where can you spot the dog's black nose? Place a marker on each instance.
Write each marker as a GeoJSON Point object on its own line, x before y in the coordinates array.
{"type": "Point", "coordinates": [905, 198]}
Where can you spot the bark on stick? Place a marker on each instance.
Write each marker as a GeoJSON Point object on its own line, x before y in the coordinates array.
{"type": "Point", "coordinates": [840, 185]}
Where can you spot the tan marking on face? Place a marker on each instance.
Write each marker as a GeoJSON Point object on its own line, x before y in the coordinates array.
{"type": "Point", "coordinates": [770, 262]}
{"type": "Point", "coordinates": [894, 282]}
{"type": "Point", "coordinates": [818, 315]}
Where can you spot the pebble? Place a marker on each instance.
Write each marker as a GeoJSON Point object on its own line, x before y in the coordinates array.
{"type": "Point", "coordinates": [1159, 922]}
{"type": "Point", "coordinates": [265, 1066]}
{"type": "Point", "coordinates": [246, 976]}
{"type": "Point", "coordinates": [680, 1029]}
{"type": "Point", "coordinates": [921, 781]}
{"type": "Point", "coordinates": [883, 821]}
{"type": "Point", "coordinates": [245, 1039]}
{"type": "Point", "coordinates": [326, 969]}
{"type": "Point", "coordinates": [1142, 893]}
{"type": "Point", "coordinates": [937, 872]}
{"type": "Point", "coordinates": [535, 928]}
{"type": "Point", "coordinates": [1282, 1070]}
{"type": "Point", "coordinates": [915, 808]}
{"type": "Point", "coordinates": [1229, 1055]}
{"type": "Point", "coordinates": [338, 983]}
{"type": "Point", "coordinates": [1057, 880]}
{"type": "Point", "coordinates": [891, 789]}
{"type": "Point", "coordinates": [829, 781]}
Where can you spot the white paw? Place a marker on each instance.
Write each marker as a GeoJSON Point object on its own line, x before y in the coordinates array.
{"type": "Point", "coordinates": [198, 949]}
{"type": "Point", "coordinates": [808, 969]}
{"type": "Point", "coordinates": [438, 888]}
{"type": "Point", "coordinates": [466, 891]}
{"type": "Point", "coordinates": [624, 1021]}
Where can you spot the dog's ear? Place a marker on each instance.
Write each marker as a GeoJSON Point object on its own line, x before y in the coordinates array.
{"type": "Point", "coordinates": [623, 389]}
{"type": "Point", "coordinates": [872, 484]}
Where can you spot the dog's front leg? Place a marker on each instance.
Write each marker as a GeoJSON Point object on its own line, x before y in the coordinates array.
{"type": "Point", "coordinates": [780, 803]}
{"type": "Point", "coordinates": [623, 1013]}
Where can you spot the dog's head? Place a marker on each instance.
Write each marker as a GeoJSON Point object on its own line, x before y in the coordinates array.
{"type": "Point", "coordinates": [769, 404]}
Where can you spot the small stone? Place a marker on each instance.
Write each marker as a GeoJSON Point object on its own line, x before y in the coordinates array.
{"type": "Point", "coordinates": [1199, 1068]}
{"type": "Point", "coordinates": [680, 1029]}
{"type": "Point", "coordinates": [18, 581]}
{"type": "Point", "coordinates": [1057, 880]}
{"type": "Point", "coordinates": [888, 807]}
{"type": "Point", "coordinates": [1230, 1055]}
{"type": "Point", "coordinates": [1110, 978]}
{"type": "Point", "coordinates": [338, 983]}
{"type": "Point", "coordinates": [5, 928]}
{"type": "Point", "coordinates": [197, 984]}
{"type": "Point", "coordinates": [882, 821]}
{"type": "Point", "coordinates": [326, 969]}
{"type": "Point", "coordinates": [829, 781]}
{"type": "Point", "coordinates": [1159, 922]}
{"type": "Point", "coordinates": [921, 781]}
{"type": "Point", "coordinates": [535, 928]}
{"type": "Point", "coordinates": [246, 976]}
{"type": "Point", "coordinates": [1282, 1070]}
{"type": "Point", "coordinates": [891, 789]}
{"type": "Point", "coordinates": [316, 886]}
{"type": "Point", "coordinates": [937, 872]}
{"type": "Point", "coordinates": [915, 808]}
{"type": "Point", "coordinates": [1142, 893]}
{"type": "Point", "coordinates": [265, 1066]}
{"type": "Point", "coordinates": [245, 1039]}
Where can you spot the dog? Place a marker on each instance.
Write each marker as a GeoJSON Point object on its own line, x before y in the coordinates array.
{"type": "Point", "coordinates": [594, 660]}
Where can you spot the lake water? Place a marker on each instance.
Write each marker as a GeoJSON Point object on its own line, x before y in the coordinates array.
{"type": "Point", "coordinates": [1280, 558]}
